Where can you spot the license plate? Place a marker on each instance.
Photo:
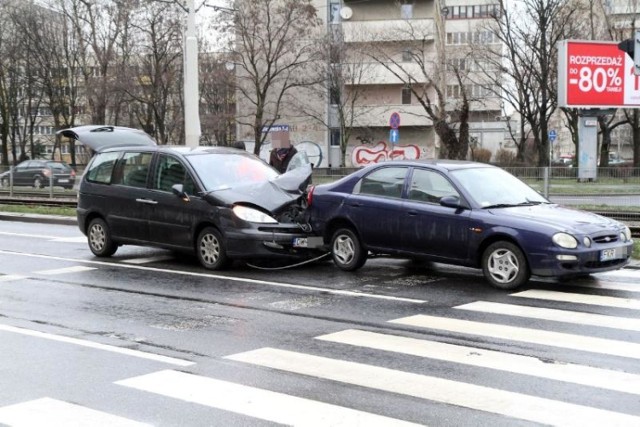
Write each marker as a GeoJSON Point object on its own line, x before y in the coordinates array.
{"type": "Point", "coordinates": [63, 180]}
{"type": "Point", "coordinates": [300, 242]}
{"type": "Point", "coordinates": [608, 254]}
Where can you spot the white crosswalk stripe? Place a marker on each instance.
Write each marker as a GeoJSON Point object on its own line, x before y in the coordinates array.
{"type": "Point", "coordinates": [609, 286]}
{"type": "Point", "coordinates": [254, 402]}
{"type": "Point", "coordinates": [441, 390]}
{"type": "Point", "coordinates": [525, 365]}
{"type": "Point", "coordinates": [627, 273]}
{"type": "Point", "coordinates": [604, 301]}
{"type": "Point", "coordinates": [54, 413]}
{"type": "Point", "coordinates": [541, 313]}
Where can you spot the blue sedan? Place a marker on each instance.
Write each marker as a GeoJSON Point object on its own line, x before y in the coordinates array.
{"type": "Point", "coordinates": [463, 213]}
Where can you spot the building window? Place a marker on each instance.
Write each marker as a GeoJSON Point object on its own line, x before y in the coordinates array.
{"type": "Point", "coordinates": [407, 55]}
{"type": "Point", "coordinates": [406, 11]}
{"type": "Point", "coordinates": [406, 95]}
{"type": "Point", "coordinates": [335, 137]}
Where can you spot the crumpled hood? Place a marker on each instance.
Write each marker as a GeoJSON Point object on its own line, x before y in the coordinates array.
{"type": "Point", "coordinates": [562, 218]}
{"type": "Point", "coordinates": [272, 195]}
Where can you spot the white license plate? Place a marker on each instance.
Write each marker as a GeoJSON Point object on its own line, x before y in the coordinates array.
{"type": "Point", "coordinates": [608, 254]}
{"type": "Point", "coordinates": [300, 242]}
{"type": "Point", "coordinates": [63, 180]}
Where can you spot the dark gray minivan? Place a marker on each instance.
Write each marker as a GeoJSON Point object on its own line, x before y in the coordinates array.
{"type": "Point", "coordinates": [219, 203]}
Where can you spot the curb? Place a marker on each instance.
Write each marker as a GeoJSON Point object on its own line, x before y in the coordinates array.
{"type": "Point", "coordinates": [43, 219]}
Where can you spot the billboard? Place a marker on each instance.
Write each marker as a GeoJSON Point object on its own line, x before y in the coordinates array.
{"type": "Point", "coordinates": [595, 74]}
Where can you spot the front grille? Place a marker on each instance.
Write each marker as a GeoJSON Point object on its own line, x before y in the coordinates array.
{"type": "Point", "coordinates": [609, 238]}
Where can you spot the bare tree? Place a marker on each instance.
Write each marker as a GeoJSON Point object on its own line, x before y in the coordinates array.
{"type": "Point", "coordinates": [217, 94]}
{"type": "Point", "coordinates": [342, 74]}
{"type": "Point", "coordinates": [274, 47]}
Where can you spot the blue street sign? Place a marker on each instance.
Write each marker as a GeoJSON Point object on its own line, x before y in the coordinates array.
{"type": "Point", "coordinates": [394, 121]}
{"type": "Point", "coordinates": [394, 136]}
{"type": "Point", "coordinates": [552, 135]}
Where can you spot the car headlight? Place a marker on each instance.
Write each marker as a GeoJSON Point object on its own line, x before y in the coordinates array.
{"type": "Point", "coordinates": [565, 240]}
{"type": "Point", "coordinates": [253, 215]}
{"type": "Point", "coordinates": [627, 233]}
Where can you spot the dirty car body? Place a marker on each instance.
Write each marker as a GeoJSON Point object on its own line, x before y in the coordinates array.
{"type": "Point", "coordinates": [462, 213]}
{"type": "Point", "coordinates": [219, 203]}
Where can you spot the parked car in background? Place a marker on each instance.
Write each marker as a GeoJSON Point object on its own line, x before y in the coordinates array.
{"type": "Point", "coordinates": [40, 174]}
{"type": "Point", "coordinates": [218, 203]}
{"type": "Point", "coordinates": [463, 213]}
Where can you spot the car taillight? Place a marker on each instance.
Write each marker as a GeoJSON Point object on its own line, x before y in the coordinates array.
{"type": "Point", "coordinates": [46, 172]}
{"type": "Point", "coordinates": [310, 194]}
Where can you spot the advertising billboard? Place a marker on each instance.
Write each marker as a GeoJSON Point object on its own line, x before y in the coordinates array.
{"type": "Point", "coordinates": [595, 74]}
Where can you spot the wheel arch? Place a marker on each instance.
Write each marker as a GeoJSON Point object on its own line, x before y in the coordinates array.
{"type": "Point", "coordinates": [337, 223]}
{"type": "Point", "coordinates": [497, 238]}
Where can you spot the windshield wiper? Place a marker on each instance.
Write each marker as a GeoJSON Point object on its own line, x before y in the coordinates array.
{"type": "Point", "coordinates": [512, 205]}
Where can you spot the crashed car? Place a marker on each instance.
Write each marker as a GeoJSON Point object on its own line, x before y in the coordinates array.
{"type": "Point", "coordinates": [462, 213]}
{"type": "Point", "coordinates": [219, 203]}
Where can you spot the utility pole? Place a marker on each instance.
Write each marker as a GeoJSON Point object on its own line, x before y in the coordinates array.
{"type": "Point", "coordinates": [190, 75]}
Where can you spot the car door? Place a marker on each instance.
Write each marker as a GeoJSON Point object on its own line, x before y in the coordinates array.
{"type": "Point", "coordinates": [172, 218]}
{"type": "Point", "coordinates": [429, 228]}
{"type": "Point", "coordinates": [23, 173]}
{"type": "Point", "coordinates": [375, 207]}
{"type": "Point", "coordinates": [129, 203]}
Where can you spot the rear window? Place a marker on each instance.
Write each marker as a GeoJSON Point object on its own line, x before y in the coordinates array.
{"type": "Point", "coordinates": [59, 166]}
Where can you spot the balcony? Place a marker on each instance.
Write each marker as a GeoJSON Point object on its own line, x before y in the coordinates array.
{"type": "Point", "coordinates": [378, 115]}
{"type": "Point", "coordinates": [378, 74]}
{"type": "Point", "coordinates": [388, 30]}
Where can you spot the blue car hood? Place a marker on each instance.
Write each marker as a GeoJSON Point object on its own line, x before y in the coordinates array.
{"type": "Point", "coordinates": [561, 218]}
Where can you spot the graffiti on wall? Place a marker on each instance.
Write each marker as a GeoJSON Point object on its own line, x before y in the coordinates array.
{"type": "Point", "coordinates": [363, 155]}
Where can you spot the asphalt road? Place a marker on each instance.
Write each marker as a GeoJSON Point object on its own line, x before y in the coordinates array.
{"type": "Point", "coordinates": [150, 338]}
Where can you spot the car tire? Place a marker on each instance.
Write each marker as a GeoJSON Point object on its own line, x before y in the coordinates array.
{"type": "Point", "coordinates": [347, 251]}
{"type": "Point", "coordinates": [505, 266]}
{"type": "Point", "coordinates": [37, 182]}
{"type": "Point", "coordinates": [211, 250]}
{"type": "Point", "coordinates": [100, 241]}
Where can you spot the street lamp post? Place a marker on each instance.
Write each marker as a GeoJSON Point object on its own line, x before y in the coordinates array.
{"type": "Point", "coordinates": [190, 75]}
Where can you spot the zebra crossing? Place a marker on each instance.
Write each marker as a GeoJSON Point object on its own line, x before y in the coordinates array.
{"type": "Point", "coordinates": [411, 338]}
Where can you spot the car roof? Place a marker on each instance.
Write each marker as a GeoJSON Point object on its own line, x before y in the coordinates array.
{"type": "Point", "coordinates": [438, 163]}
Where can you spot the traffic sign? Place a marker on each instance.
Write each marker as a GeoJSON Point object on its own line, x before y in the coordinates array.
{"type": "Point", "coordinates": [394, 136]}
{"type": "Point", "coordinates": [593, 74]}
{"type": "Point", "coordinates": [394, 121]}
{"type": "Point", "coordinates": [552, 135]}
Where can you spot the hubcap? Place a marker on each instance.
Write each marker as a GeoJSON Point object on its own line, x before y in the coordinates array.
{"type": "Point", "coordinates": [97, 237]}
{"type": "Point", "coordinates": [209, 248]}
{"type": "Point", "coordinates": [344, 249]}
{"type": "Point", "coordinates": [503, 266]}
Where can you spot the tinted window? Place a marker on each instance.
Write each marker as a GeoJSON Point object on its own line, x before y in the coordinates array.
{"type": "Point", "coordinates": [429, 186]}
{"type": "Point", "coordinates": [170, 172]}
{"type": "Point", "coordinates": [383, 182]}
{"type": "Point", "coordinates": [132, 169]}
{"type": "Point", "coordinates": [101, 168]}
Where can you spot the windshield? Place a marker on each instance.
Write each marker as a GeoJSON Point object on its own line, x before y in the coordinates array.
{"type": "Point", "coordinates": [221, 171]}
{"type": "Point", "coordinates": [495, 186]}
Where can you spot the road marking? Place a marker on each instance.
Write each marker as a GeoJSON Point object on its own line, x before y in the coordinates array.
{"type": "Point", "coordinates": [604, 301]}
{"type": "Point", "coordinates": [229, 278]}
{"type": "Point", "coordinates": [74, 239]}
{"type": "Point", "coordinates": [610, 286]}
{"type": "Point", "coordinates": [74, 269]}
{"type": "Point", "coordinates": [148, 259]}
{"type": "Point", "coordinates": [525, 365]}
{"type": "Point", "coordinates": [511, 404]}
{"type": "Point", "coordinates": [576, 317]}
{"type": "Point", "coordinates": [532, 336]}
{"type": "Point", "coordinates": [254, 402]}
{"type": "Point", "coordinates": [51, 412]}
{"type": "Point", "coordinates": [81, 239]}
{"type": "Point", "coordinates": [617, 274]}
{"type": "Point", "coordinates": [97, 346]}
{"type": "Point", "coordinates": [10, 277]}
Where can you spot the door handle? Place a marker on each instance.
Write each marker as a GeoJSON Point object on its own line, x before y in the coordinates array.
{"type": "Point", "coordinates": [147, 201]}
{"type": "Point", "coordinates": [412, 213]}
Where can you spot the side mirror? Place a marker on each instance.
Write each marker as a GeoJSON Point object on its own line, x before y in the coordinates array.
{"type": "Point", "coordinates": [178, 190]}
{"type": "Point", "coordinates": [451, 202]}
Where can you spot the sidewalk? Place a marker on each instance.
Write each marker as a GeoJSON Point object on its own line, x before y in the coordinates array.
{"type": "Point", "coordinates": [71, 220]}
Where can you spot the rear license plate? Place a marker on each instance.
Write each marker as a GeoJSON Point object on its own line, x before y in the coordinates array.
{"type": "Point", "coordinates": [300, 242]}
{"type": "Point", "coordinates": [608, 254]}
{"type": "Point", "coordinates": [63, 180]}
